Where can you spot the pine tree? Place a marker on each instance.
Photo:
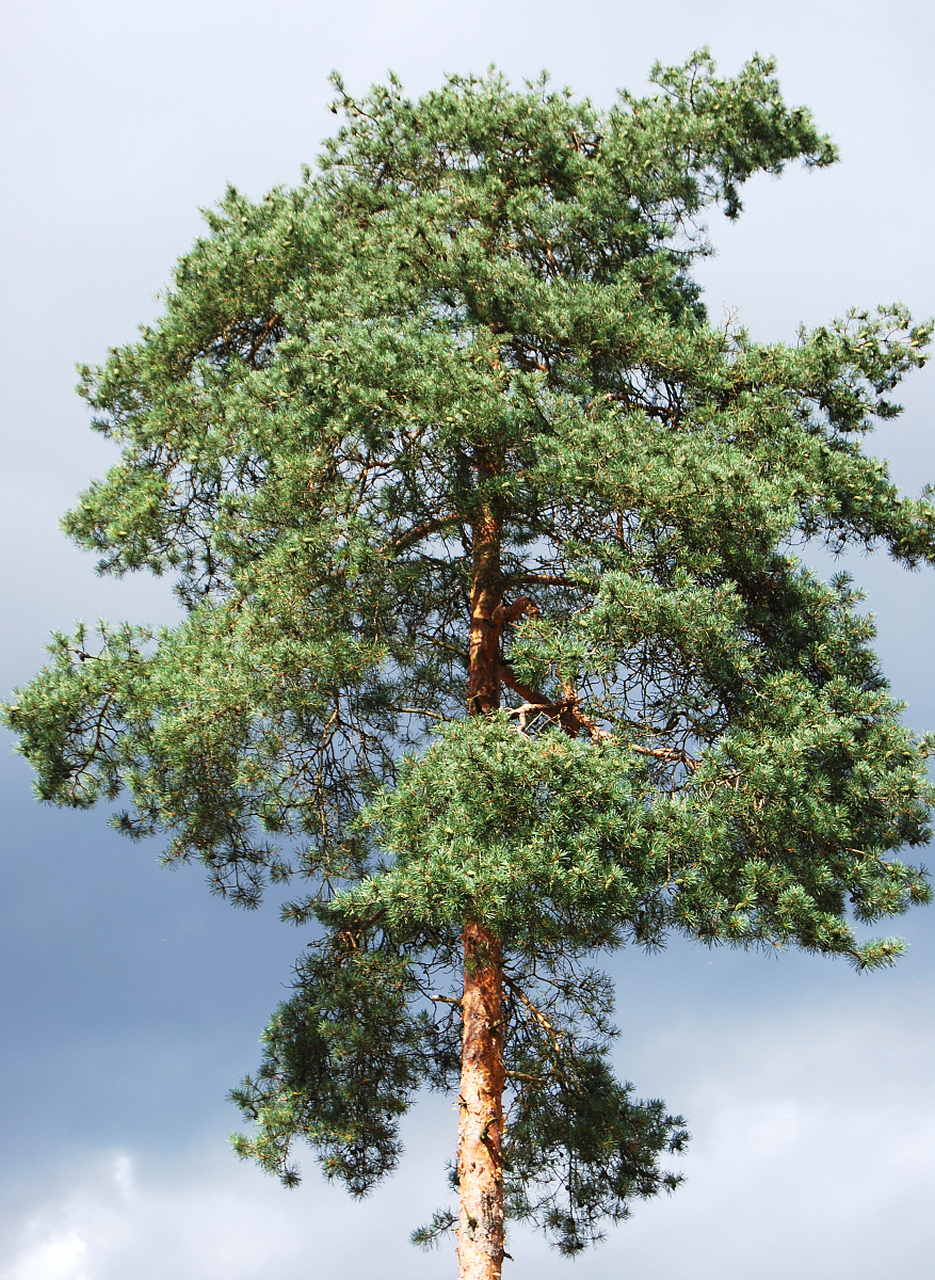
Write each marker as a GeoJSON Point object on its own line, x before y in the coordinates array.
{"type": "Point", "coordinates": [495, 641]}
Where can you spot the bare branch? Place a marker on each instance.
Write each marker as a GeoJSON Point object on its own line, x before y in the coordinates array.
{"type": "Point", "coordinates": [676, 754]}
{"type": "Point", "coordinates": [554, 1032]}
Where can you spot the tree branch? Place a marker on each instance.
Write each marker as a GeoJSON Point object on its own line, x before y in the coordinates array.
{"type": "Point", "coordinates": [566, 710]}
{"type": "Point", "coordinates": [677, 754]}
{"type": "Point", "coordinates": [554, 1032]}
{"type": "Point", "coordinates": [351, 933]}
{"type": "Point", "coordinates": [544, 580]}
{"type": "Point", "coordinates": [508, 613]}
{"type": "Point", "coordinates": [419, 532]}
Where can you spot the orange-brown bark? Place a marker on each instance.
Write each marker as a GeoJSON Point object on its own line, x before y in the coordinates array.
{"type": "Point", "coordinates": [486, 595]}
{"type": "Point", "coordinates": [480, 1129]}
{"type": "Point", "coordinates": [480, 1132]}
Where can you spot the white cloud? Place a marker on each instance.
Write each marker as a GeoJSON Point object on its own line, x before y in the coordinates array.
{"type": "Point", "coordinates": [814, 1150]}
{"type": "Point", "coordinates": [57, 1259]}
{"type": "Point", "coordinates": [198, 1215]}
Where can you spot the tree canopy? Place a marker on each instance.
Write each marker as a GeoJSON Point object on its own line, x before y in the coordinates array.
{"type": "Point", "coordinates": [486, 538]}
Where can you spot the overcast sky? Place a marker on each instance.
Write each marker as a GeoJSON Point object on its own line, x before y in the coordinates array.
{"type": "Point", "coordinates": [130, 999]}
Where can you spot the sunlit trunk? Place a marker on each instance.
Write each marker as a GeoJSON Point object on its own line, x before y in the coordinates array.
{"type": "Point", "coordinates": [480, 1103]}
{"type": "Point", "coordinates": [480, 1132]}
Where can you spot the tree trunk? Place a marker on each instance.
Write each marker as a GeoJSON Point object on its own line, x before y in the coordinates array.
{"type": "Point", "coordinates": [486, 598]}
{"type": "Point", "coordinates": [480, 1129]}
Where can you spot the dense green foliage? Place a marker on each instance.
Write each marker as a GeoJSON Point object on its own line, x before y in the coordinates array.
{"type": "Point", "coordinates": [482, 301]}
